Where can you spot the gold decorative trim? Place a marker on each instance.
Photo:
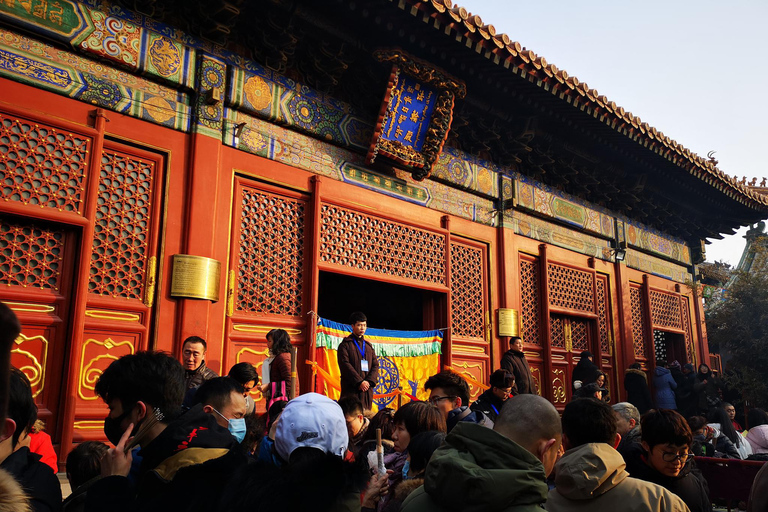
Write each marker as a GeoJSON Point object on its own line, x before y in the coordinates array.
{"type": "Point", "coordinates": [558, 390]}
{"type": "Point", "coordinates": [536, 374]}
{"type": "Point", "coordinates": [531, 354]}
{"type": "Point", "coordinates": [112, 315]}
{"type": "Point", "coordinates": [231, 286]}
{"type": "Point", "coordinates": [557, 357]}
{"type": "Point", "coordinates": [88, 375]}
{"type": "Point", "coordinates": [31, 308]}
{"type": "Point", "coordinates": [261, 329]}
{"type": "Point", "coordinates": [37, 371]}
{"type": "Point", "coordinates": [149, 295]}
{"type": "Point", "coordinates": [89, 425]}
{"type": "Point", "coordinates": [468, 350]}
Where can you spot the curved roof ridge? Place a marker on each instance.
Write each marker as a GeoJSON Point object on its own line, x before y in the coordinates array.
{"type": "Point", "coordinates": [483, 38]}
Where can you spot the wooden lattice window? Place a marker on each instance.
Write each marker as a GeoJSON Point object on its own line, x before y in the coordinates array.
{"type": "Point", "coordinates": [570, 288]}
{"type": "Point", "coordinates": [638, 326]}
{"type": "Point", "coordinates": [603, 325]}
{"type": "Point", "coordinates": [41, 165]}
{"type": "Point", "coordinates": [270, 265]}
{"type": "Point", "coordinates": [579, 335]}
{"type": "Point", "coordinates": [665, 310]}
{"type": "Point", "coordinates": [123, 226]}
{"type": "Point", "coordinates": [355, 240]}
{"type": "Point", "coordinates": [467, 291]}
{"type": "Point", "coordinates": [557, 332]}
{"type": "Point", "coordinates": [30, 256]}
{"type": "Point", "coordinates": [530, 299]}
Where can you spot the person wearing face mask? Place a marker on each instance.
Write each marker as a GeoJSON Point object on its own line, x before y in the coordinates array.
{"type": "Point", "coordinates": [186, 458]}
{"type": "Point", "coordinates": [223, 398]}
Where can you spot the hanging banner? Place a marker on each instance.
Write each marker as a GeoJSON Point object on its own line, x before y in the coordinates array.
{"type": "Point", "coordinates": [406, 360]}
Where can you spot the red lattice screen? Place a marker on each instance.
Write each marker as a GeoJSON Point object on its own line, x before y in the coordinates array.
{"type": "Point", "coordinates": [467, 291]}
{"type": "Point", "coordinates": [355, 240]}
{"type": "Point", "coordinates": [570, 288]}
{"type": "Point", "coordinates": [270, 266]}
{"type": "Point", "coordinates": [557, 331]}
{"type": "Point", "coordinates": [30, 256]}
{"type": "Point", "coordinates": [41, 165]}
{"type": "Point", "coordinates": [530, 299]}
{"type": "Point", "coordinates": [665, 310]}
{"type": "Point", "coordinates": [638, 326]}
{"type": "Point", "coordinates": [603, 329]}
{"type": "Point", "coordinates": [579, 335]}
{"type": "Point", "coordinates": [123, 225]}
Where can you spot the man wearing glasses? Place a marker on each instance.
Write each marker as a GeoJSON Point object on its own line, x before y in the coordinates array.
{"type": "Point", "coordinates": [666, 458]}
{"type": "Point", "coordinates": [449, 392]}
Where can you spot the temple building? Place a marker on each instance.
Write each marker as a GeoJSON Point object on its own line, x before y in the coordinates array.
{"type": "Point", "coordinates": [221, 168]}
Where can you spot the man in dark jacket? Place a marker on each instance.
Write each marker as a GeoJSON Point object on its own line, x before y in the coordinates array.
{"type": "Point", "coordinates": [515, 363]}
{"type": "Point", "coordinates": [492, 399]}
{"type": "Point", "coordinates": [636, 384]}
{"type": "Point", "coordinates": [186, 459]}
{"type": "Point", "coordinates": [467, 471]}
{"type": "Point", "coordinates": [666, 459]}
{"type": "Point", "coordinates": [627, 426]}
{"type": "Point", "coordinates": [358, 365]}
{"type": "Point", "coordinates": [193, 358]}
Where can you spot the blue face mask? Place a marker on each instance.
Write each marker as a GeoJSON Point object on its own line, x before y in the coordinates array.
{"type": "Point", "coordinates": [236, 426]}
{"type": "Point", "coordinates": [406, 467]}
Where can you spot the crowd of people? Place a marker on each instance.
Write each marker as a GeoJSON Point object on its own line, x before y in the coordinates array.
{"type": "Point", "coordinates": [183, 438]}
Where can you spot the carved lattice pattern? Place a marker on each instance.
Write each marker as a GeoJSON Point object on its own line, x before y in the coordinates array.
{"type": "Point", "coordinates": [41, 165]}
{"type": "Point", "coordinates": [355, 240]}
{"type": "Point", "coordinates": [603, 329]}
{"type": "Point", "coordinates": [530, 299]}
{"type": "Point", "coordinates": [579, 335]}
{"type": "Point", "coordinates": [123, 223]}
{"type": "Point", "coordinates": [665, 310]}
{"type": "Point", "coordinates": [638, 326]}
{"type": "Point", "coordinates": [270, 267]}
{"type": "Point", "coordinates": [687, 328]}
{"type": "Point", "coordinates": [467, 291]}
{"type": "Point", "coordinates": [557, 331]}
{"type": "Point", "coordinates": [570, 288]}
{"type": "Point", "coordinates": [30, 255]}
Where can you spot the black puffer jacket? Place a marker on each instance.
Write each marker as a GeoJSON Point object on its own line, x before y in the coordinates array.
{"type": "Point", "coordinates": [37, 480]}
{"type": "Point", "coordinates": [488, 404]}
{"type": "Point", "coordinates": [638, 394]}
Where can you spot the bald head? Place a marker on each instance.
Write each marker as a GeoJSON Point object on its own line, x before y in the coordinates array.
{"type": "Point", "coordinates": [526, 419]}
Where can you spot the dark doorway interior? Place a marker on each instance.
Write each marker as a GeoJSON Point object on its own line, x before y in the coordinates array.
{"type": "Point", "coordinates": [387, 306]}
{"type": "Point", "coordinates": [669, 347]}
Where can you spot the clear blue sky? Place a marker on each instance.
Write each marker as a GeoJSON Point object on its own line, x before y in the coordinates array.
{"type": "Point", "coordinates": [693, 69]}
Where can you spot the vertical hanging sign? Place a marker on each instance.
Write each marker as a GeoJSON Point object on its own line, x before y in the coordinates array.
{"type": "Point", "coordinates": [416, 113]}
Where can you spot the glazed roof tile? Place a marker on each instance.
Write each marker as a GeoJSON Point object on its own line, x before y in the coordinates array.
{"type": "Point", "coordinates": [470, 30]}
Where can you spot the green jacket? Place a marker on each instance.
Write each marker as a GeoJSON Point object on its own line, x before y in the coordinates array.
{"type": "Point", "coordinates": [480, 470]}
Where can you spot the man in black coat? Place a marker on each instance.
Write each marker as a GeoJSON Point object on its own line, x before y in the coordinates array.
{"type": "Point", "coordinates": [515, 363]}
{"type": "Point", "coordinates": [636, 384]}
{"type": "Point", "coordinates": [358, 365]}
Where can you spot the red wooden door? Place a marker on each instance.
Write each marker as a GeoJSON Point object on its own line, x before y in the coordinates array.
{"type": "Point", "coordinates": [36, 271]}
{"type": "Point", "coordinates": [121, 285]}
{"type": "Point", "coordinates": [570, 336]}
{"type": "Point", "coordinates": [268, 272]}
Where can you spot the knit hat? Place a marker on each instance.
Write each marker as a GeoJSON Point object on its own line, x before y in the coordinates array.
{"type": "Point", "coordinates": [314, 421]}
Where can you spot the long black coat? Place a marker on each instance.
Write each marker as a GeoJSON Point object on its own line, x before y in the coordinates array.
{"type": "Point", "coordinates": [638, 394]}
{"type": "Point", "coordinates": [516, 364]}
{"type": "Point", "coordinates": [352, 375]}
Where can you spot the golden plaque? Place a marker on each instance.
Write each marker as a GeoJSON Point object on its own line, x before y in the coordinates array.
{"type": "Point", "coordinates": [195, 277]}
{"type": "Point", "coordinates": [509, 322]}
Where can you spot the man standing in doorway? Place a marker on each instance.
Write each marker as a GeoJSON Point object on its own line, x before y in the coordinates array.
{"type": "Point", "coordinates": [193, 360]}
{"type": "Point", "coordinates": [358, 364]}
{"type": "Point", "coordinates": [515, 363]}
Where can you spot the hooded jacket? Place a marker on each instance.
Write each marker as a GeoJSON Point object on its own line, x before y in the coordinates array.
{"type": "Point", "coordinates": [488, 404]}
{"type": "Point", "coordinates": [479, 470]}
{"type": "Point", "coordinates": [665, 388]}
{"type": "Point", "coordinates": [758, 439]}
{"type": "Point", "coordinates": [638, 394]}
{"type": "Point", "coordinates": [592, 477]}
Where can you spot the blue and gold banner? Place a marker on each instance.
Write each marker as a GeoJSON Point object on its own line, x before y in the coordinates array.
{"type": "Point", "coordinates": [406, 360]}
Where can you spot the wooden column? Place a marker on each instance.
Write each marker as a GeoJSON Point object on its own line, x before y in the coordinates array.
{"type": "Point", "coordinates": [624, 343]}
{"type": "Point", "coordinates": [650, 346]}
{"type": "Point", "coordinates": [447, 348]}
{"type": "Point", "coordinates": [314, 273]}
{"type": "Point", "coordinates": [546, 327]}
